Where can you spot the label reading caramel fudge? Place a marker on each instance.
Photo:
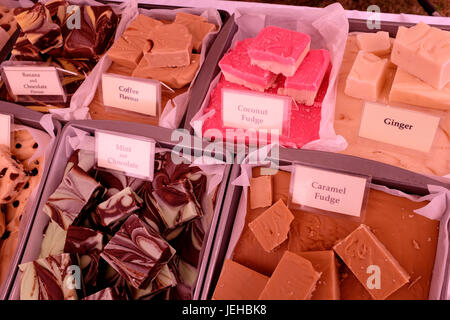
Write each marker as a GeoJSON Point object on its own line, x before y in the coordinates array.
{"type": "Point", "coordinates": [327, 190]}
{"type": "Point", "coordinates": [131, 155]}
{"type": "Point", "coordinates": [5, 129]}
{"type": "Point", "coordinates": [250, 110]}
{"type": "Point", "coordinates": [400, 127]}
{"type": "Point", "coordinates": [132, 94]}
{"type": "Point", "coordinates": [31, 80]}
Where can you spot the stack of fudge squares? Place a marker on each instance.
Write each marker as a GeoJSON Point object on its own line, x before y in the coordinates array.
{"type": "Point", "coordinates": [129, 238]}
{"type": "Point", "coordinates": [421, 56]}
{"type": "Point", "coordinates": [279, 60]}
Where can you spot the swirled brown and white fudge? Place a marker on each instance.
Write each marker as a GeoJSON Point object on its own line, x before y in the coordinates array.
{"type": "Point", "coordinates": [131, 239]}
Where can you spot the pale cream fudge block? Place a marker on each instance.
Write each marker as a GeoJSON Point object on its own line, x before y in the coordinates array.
{"type": "Point", "coordinates": [424, 52]}
{"type": "Point", "coordinates": [376, 43]}
{"type": "Point", "coordinates": [367, 76]}
{"type": "Point", "coordinates": [409, 89]}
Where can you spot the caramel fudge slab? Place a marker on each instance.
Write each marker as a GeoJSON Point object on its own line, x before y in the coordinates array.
{"type": "Point", "coordinates": [348, 118]}
{"type": "Point", "coordinates": [377, 43]}
{"type": "Point", "coordinates": [327, 287]}
{"type": "Point", "coordinates": [237, 282]}
{"type": "Point", "coordinates": [293, 279]}
{"type": "Point", "coordinates": [372, 263]}
{"type": "Point", "coordinates": [260, 192]}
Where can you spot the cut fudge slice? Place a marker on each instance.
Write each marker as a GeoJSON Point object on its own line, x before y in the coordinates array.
{"type": "Point", "coordinates": [237, 282]}
{"type": "Point", "coordinates": [305, 83]}
{"type": "Point", "coordinates": [371, 263]}
{"type": "Point", "coordinates": [271, 228]}
{"type": "Point", "coordinates": [171, 46]}
{"type": "Point", "coordinates": [367, 77]}
{"type": "Point", "coordinates": [111, 293]}
{"type": "Point", "coordinates": [260, 192]}
{"type": "Point", "coordinates": [236, 68]}
{"type": "Point", "coordinates": [48, 279]}
{"type": "Point", "coordinates": [197, 25]}
{"type": "Point", "coordinates": [164, 280]}
{"type": "Point", "coordinates": [54, 240]}
{"type": "Point", "coordinates": [75, 194]}
{"type": "Point", "coordinates": [120, 206]}
{"type": "Point", "coordinates": [12, 176]}
{"type": "Point", "coordinates": [327, 287]}
{"type": "Point", "coordinates": [83, 240]}
{"type": "Point", "coordinates": [137, 252]}
{"type": "Point", "coordinates": [424, 52]}
{"type": "Point", "coordinates": [294, 278]}
{"type": "Point", "coordinates": [377, 43]}
{"type": "Point", "coordinates": [279, 50]}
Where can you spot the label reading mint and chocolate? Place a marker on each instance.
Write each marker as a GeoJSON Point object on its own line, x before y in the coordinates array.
{"type": "Point", "coordinates": [31, 83]}
{"type": "Point", "coordinates": [132, 94]}
{"type": "Point", "coordinates": [250, 110]}
{"type": "Point", "coordinates": [131, 155]}
{"type": "Point", "coordinates": [327, 190]}
{"type": "Point", "coordinates": [5, 129]}
{"type": "Point", "coordinates": [400, 127]}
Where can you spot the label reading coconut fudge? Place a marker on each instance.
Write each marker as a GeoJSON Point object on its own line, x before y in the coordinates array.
{"type": "Point", "coordinates": [41, 83]}
{"type": "Point", "coordinates": [132, 94]}
{"type": "Point", "coordinates": [250, 110]}
{"type": "Point", "coordinates": [400, 127]}
{"type": "Point", "coordinates": [5, 129]}
{"type": "Point", "coordinates": [327, 190]}
{"type": "Point", "coordinates": [131, 155]}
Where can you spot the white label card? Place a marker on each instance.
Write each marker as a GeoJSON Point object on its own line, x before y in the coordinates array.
{"type": "Point", "coordinates": [132, 94]}
{"type": "Point", "coordinates": [131, 155]}
{"type": "Point", "coordinates": [327, 190]}
{"type": "Point", "coordinates": [250, 110]}
{"type": "Point", "coordinates": [33, 81]}
{"type": "Point", "coordinates": [5, 129]}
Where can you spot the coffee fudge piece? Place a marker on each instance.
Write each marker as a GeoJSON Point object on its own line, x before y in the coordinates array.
{"type": "Point", "coordinates": [409, 89]}
{"type": "Point", "coordinates": [327, 287]}
{"type": "Point", "coordinates": [377, 43]}
{"type": "Point", "coordinates": [423, 51]}
{"type": "Point", "coordinates": [12, 176]}
{"type": "Point", "coordinates": [304, 85]}
{"type": "Point", "coordinates": [137, 252]}
{"type": "Point", "coordinates": [197, 26]}
{"type": "Point", "coordinates": [260, 192]}
{"type": "Point", "coordinates": [76, 192]}
{"type": "Point", "coordinates": [370, 261]}
{"type": "Point", "coordinates": [271, 228]}
{"type": "Point", "coordinates": [54, 240]}
{"type": "Point", "coordinates": [237, 68]}
{"type": "Point", "coordinates": [294, 278]}
{"type": "Point", "coordinates": [119, 207]}
{"type": "Point", "coordinates": [279, 50]}
{"type": "Point", "coordinates": [48, 279]}
{"type": "Point", "coordinates": [110, 293]}
{"type": "Point", "coordinates": [82, 240]}
{"type": "Point", "coordinates": [171, 46]}
{"type": "Point", "coordinates": [237, 282]}
{"type": "Point", "coordinates": [367, 76]}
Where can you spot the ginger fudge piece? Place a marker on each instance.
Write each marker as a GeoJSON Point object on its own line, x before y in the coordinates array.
{"type": "Point", "coordinates": [271, 228]}
{"type": "Point", "coordinates": [409, 89]}
{"type": "Point", "coordinates": [236, 68]}
{"type": "Point", "coordinates": [261, 192]}
{"type": "Point", "coordinates": [377, 43]}
{"type": "Point", "coordinates": [424, 52]}
{"type": "Point", "coordinates": [369, 259]}
{"type": "Point", "coordinates": [294, 278]}
{"type": "Point", "coordinates": [198, 27]}
{"type": "Point", "coordinates": [237, 282]}
{"type": "Point", "coordinates": [327, 287]}
{"type": "Point", "coordinates": [279, 50]}
{"type": "Point", "coordinates": [367, 76]}
{"type": "Point", "coordinates": [305, 83]}
{"type": "Point", "coordinates": [171, 46]}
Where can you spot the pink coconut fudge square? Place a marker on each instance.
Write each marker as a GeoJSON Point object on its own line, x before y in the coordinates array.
{"type": "Point", "coordinates": [279, 50]}
{"type": "Point", "coordinates": [236, 68]}
{"type": "Point", "coordinates": [305, 83]}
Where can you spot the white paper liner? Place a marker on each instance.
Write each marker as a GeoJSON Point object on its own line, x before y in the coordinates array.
{"type": "Point", "coordinates": [437, 209]}
{"type": "Point", "coordinates": [175, 109]}
{"type": "Point", "coordinates": [328, 28]}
